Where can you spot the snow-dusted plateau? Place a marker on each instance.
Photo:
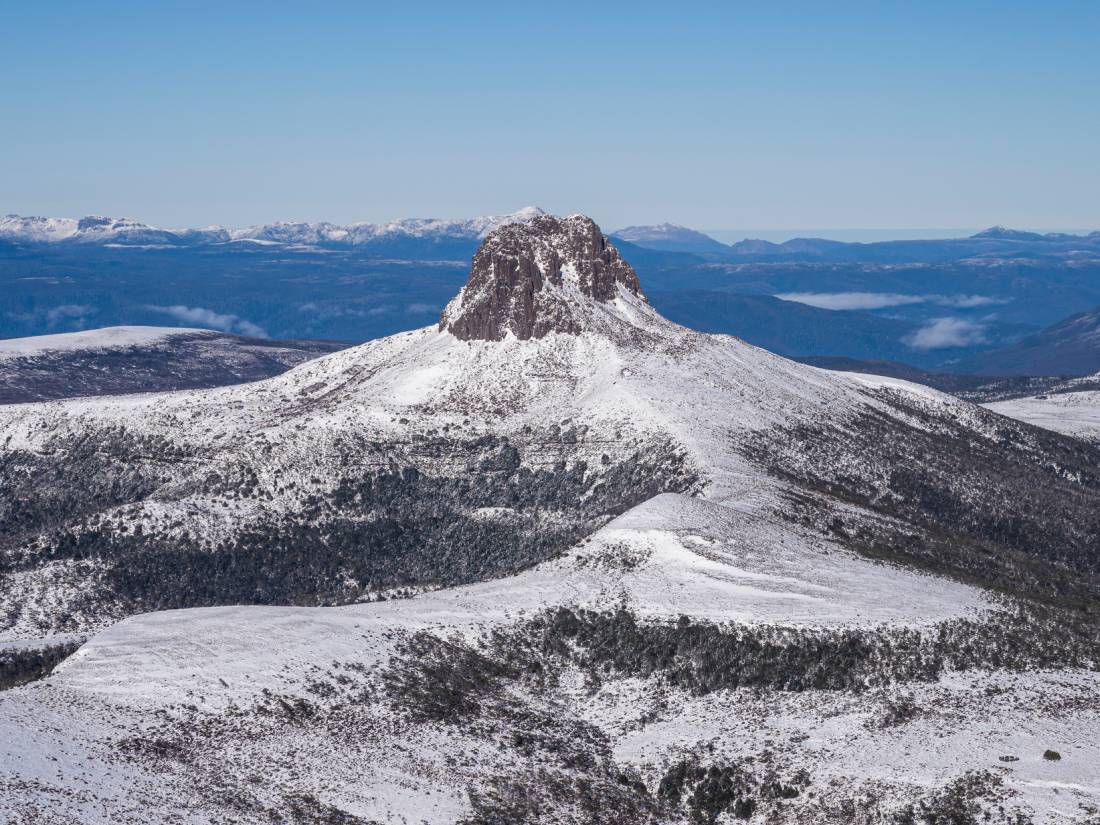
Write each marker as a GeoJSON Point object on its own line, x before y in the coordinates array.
{"type": "Point", "coordinates": [1071, 407]}
{"type": "Point", "coordinates": [117, 360]}
{"type": "Point", "coordinates": [553, 560]}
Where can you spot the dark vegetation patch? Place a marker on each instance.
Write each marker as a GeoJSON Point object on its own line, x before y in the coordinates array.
{"type": "Point", "coordinates": [705, 792]}
{"type": "Point", "coordinates": [971, 799]}
{"type": "Point", "coordinates": [77, 476]}
{"type": "Point", "coordinates": [392, 523]}
{"type": "Point", "coordinates": [705, 657]}
{"type": "Point", "coordinates": [897, 711]}
{"type": "Point", "coordinates": [439, 680]}
{"type": "Point", "coordinates": [505, 688]}
{"type": "Point", "coordinates": [1016, 509]}
{"type": "Point", "coordinates": [19, 665]}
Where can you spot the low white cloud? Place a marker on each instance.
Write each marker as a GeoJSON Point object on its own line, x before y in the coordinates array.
{"type": "Point", "coordinates": [882, 300]}
{"type": "Point", "coordinates": [947, 332]}
{"type": "Point", "coordinates": [851, 300]}
{"type": "Point", "coordinates": [422, 308]}
{"type": "Point", "coordinates": [209, 319]}
{"type": "Point", "coordinates": [69, 312]}
{"type": "Point", "coordinates": [968, 301]}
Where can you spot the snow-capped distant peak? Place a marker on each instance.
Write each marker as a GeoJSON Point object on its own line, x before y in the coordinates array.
{"type": "Point", "coordinates": [102, 229]}
{"type": "Point", "coordinates": [89, 229]}
{"type": "Point", "coordinates": [654, 231]}
{"type": "Point", "coordinates": [36, 229]}
{"type": "Point", "coordinates": [670, 236]}
{"type": "Point", "coordinates": [362, 234]}
{"type": "Point", "coordinates": [1003, 233]}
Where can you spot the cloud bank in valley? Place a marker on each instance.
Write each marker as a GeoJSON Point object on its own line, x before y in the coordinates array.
{"type": "Point", "coordinates": [884, 300]}
{"type": "Point", "coordinates": [208, 318]}
{"type": "Point", "coordinates": [942, 333]}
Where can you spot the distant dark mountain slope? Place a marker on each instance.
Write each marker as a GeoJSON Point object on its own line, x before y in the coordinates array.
{"type": "Point", "coordinates": [784, 327]}
{"type": "Point", "coordinates": [1070, 347]}
{"type": "Point", "coordinates": [120, 360]}
{"type": "Point", "coordinates": [995, 242]}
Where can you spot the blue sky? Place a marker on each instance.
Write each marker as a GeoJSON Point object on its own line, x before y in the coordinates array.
{"type": "Point", "coordinates": [868, 115]}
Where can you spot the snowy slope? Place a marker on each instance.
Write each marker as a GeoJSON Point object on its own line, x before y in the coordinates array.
{"type": "Point", "coordinates": [623, 405]}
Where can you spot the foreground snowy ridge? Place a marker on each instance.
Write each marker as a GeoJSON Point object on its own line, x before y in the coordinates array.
{"type": "Point", "coordinates": [660, 577]}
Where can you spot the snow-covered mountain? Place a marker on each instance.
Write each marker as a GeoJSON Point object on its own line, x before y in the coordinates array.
{"type": "Point", "coordinates": [124, 231]}
{"type": "Point", "coordinates": [670, 236]}
{"type": "Point", "coordinates": [94, 229]}
{"type": "Point", "coordinates": [595, 568]}
{"type": "Point", "coordinates": [360, 234]}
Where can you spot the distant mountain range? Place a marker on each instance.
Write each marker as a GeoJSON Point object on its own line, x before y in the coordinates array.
{"type": "Point", "coordinates": [995, 242]}
{"type": "Point", "coordinates": [1068, 349]}
{"type": "Point", "coordinates": [938, 305]}
{"type": "Point", "coordinates": [795, 329]}
{"type": "Point", "coordinates": [125, 231]}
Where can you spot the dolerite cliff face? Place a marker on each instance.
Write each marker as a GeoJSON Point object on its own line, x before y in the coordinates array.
{"type": "Point", "coordinates": [536, 278]}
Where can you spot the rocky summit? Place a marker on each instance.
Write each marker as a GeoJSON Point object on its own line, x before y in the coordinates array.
{"type": "Point", "coordinates": [531, 279]}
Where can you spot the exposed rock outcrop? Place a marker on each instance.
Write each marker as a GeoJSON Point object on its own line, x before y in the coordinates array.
{"type": "Point", "coordinates": [539, 277]}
